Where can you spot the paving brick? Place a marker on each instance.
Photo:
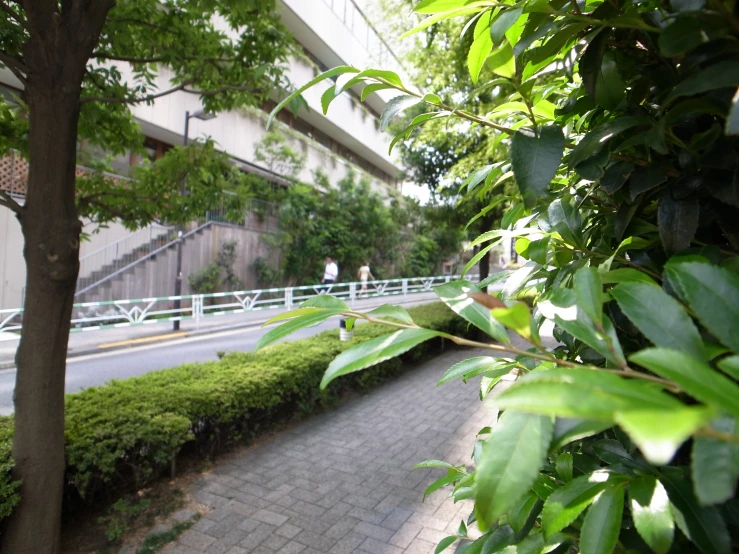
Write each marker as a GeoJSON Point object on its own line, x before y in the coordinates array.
{"type": "Point", "coordinates": [288, 530]}
{"type": "Point", "coordinates": [319, 542]}
{"type": "Point", "coordinates": [344, 481]}
{"type": "Point", "coordinates": [405, 535]}
{"type": "Point", "coordinates": [339, 529]}
{"type": "Point", "coordinates": [374, 531]}
{"type": "Point", "coordinates": [265, 516]}
{"type": "Point", "coordinates": [419, 546]}
{"type": "Point", "coordinates": [396, 518]}
{"type": "Point", "coordinates": [197, 540]}
{"type": "Point", "coordinates": [275, 542]}
{"type": "Point", "coordinates": [376, 547]}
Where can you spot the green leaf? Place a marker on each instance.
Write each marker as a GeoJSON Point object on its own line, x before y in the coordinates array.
{"type": "Point", "coordinates": [327, 97]}
{"type": "Point", "coordinates": [582, 393]}
{"type": "Point", "coordinates": [590, 62]}
{"type": "Point", "coordinates": [375, 351]}
{"type": "Point", "coordinates": [433, 19]}
{"type": "Point", "coordinates": [501, 537]}
{"type": "Point", "coordinates": [704, 526]}
{"type": "Point", "coordinates": [610, 89]}
{"type": "Point", "coordinates": [720, 75]}
{"type": "Point", "coordinates": [566, 503]}
{"type": "Point", "coordinates": [325, 75]}
{"type": "Point", "coordinates": [388, 311]}
{"type": "Point", "coordinates": [565, 218]}
{"type": "Point", "coordinates": [659, 317]}
{"type": "Point", "coordinates": [584, 331]}
{"type": "Point", "coordinates": [314, 317]}
{"type": "Point", "coordinates": [626, 275]}
{"type": "Point", "coordinates": [696, 378]}
{"type": "Point", "coordinates": [478, 53]}
{"type": "Point", "coordinates": [435, 464]}
{"type": "Point", "coordinates": [456, 295]}
{"type": "Point", "coordinates": [567, 430]}
{"type": "Point", "coordinates": [615, 176]}
{"type": "Point", "coordinates": [686, 33]}
{"type": "Point", "coordinates": [394, 107]}
{"type": "Point", "coordinates": [517, 318]}
{"type": "Point", "coordinates": [467, 369]}
{"type": "Point", "coordinates": [732, 122]}
{"type": "Point", "coordinates": [444, 544]}
{"type": "Point", "coordinates": [712, 293]}
{"type": "Point", "coordinates": [502, 61]}
{"type": "Point", "coordinates": [646, 178]}
{"type": "Point", "coordinates": [589, 291]}
{"type": "Point", "coordinates": [563, 465]}
{"type": "Point", "coordinates": [595, 140]}
{"type": "Point", "coordinates": [326, 302]}
{"type": "Point", "coordinates": [715, 464]}
{"type": "Point", "coordinates": [651, 512]}
{"type": "Point", "coordinates": [730, 366]}
{"type": "Point", "coordinates": [678, 221]}
{"type": "Point", "coordinates": [687, 5]}
{"type": "Point", "coordinates": [503, 22]}
{"type": "Point", "coordinates": [511, 460]}
{"type": "Point", "coordinates": [435, 6]}
{"type": "Point", "coordinates": [519, 513]}
{"type": "Point", "coordinates": [602, 524]}
{"type": "Point", "coordinates": [373, 87]}
{"type": "Point", "coordinates": [441, 482]}
{"type": "Point", "coordinates": [477, 177]}
{"type": "Point", "coordinates": [535, 160]}
{"type": "Point", "coordinates": [659, 433]}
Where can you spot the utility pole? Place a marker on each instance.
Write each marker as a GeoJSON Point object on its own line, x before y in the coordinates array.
{"type": "Point", "coordinates": [203, 116]}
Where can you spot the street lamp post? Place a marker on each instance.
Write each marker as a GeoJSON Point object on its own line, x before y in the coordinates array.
{"type": "Point", "coordinates": [203, 116]}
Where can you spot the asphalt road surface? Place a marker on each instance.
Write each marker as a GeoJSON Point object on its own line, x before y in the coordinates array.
{"type": "Point", "coordinates": [97, 369]}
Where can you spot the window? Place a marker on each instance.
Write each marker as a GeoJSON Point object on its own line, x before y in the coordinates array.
{"type": "Point", "coordinates": [322, 138]}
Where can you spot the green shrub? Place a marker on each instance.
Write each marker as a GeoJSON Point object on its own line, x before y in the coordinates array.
{"type": "Point", "coordinates": [9, 496]}
{"type": "Point", "coordinates": [123, 435]}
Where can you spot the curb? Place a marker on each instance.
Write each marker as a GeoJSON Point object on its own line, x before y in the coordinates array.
{"type": "Point", "coordinates": [155, 339]}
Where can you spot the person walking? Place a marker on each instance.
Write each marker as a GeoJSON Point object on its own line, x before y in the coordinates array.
{"type": "Point", "coordinates": [363, 274]}
{"type": "Point", "coordinates": [331, 273]}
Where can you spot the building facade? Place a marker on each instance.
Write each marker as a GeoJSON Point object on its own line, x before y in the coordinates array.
{"type": "Point", "coordinates": [330, 33]}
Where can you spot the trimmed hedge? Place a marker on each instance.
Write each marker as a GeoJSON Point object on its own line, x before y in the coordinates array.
{"type": "Point", "coordinates": [123, 435]}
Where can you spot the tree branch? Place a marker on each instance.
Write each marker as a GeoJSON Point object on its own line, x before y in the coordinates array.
{"type": "Point", "coordinates": [15, 65]}
{"type": "Point", "coordinates": [157, 59]}
{"type": "Point", "coordinates": [10, 203]}
{"type": "Point", "coordinates": [15, 16]}
{"type": "Point", "coordinates": [219, 90]}
{"type": "Point", "coordinates": [139, 100]}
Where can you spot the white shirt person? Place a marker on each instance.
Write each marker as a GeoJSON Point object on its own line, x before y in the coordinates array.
{"type": "Point", "coordinates": [331, 272]}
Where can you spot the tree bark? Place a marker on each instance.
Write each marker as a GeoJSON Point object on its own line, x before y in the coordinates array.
{"type": "Point", "coordinates": [488, 222]}
{"type": "Point", "coordinates": [51, 231]}
{"type": "Point", "coordinates": [56, 54]}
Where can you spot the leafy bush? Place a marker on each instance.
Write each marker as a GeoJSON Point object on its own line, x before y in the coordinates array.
{"type": "Point", "coordinates": [619, 122]}
{"type": "Point", "coordinates": [122, 435]}
{"type": "Point", "coordinates": [9, 496]}
{"type": "Point", "coordinates": [219, 274]}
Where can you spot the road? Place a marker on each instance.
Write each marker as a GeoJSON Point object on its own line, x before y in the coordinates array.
{"type": "Point", "coordinates": [97, 369]}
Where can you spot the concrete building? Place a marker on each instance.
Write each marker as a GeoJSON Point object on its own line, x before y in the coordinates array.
{"type": "Point", "coordinates": [115, 261]}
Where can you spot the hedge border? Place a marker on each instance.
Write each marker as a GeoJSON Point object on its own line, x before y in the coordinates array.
{"type": "Point", "coordinates": [123, 435]}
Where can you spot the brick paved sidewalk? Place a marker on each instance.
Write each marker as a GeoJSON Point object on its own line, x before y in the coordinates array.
{"type": "Point", "coordinates": [342, 482]}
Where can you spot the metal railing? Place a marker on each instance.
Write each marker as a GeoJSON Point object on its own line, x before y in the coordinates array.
{"type": "Point", "coordinates": [118, 253]}
{"type": "Point", "coordinates": [359, 24]}
{"type": "Point", "coordinates": [92, 316]}
{"type": "Point", "coordinates": [114, 259]}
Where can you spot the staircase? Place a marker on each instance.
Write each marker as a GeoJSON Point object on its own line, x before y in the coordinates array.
{"type": "Point", "coordinates": [122, 261]}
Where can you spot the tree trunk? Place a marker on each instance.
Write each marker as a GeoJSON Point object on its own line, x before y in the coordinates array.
{"type": "Point", "coordinates": [51, 230]}
{"type": "Point", "coordinates": [488, 222]}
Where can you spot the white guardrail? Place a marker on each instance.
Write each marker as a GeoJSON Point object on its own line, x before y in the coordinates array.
{"type": "Point", "coordinates": [93, 316]}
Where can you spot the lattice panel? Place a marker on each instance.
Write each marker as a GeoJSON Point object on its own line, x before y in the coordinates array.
{"type": "Point", "coordinates": [14, 174]}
